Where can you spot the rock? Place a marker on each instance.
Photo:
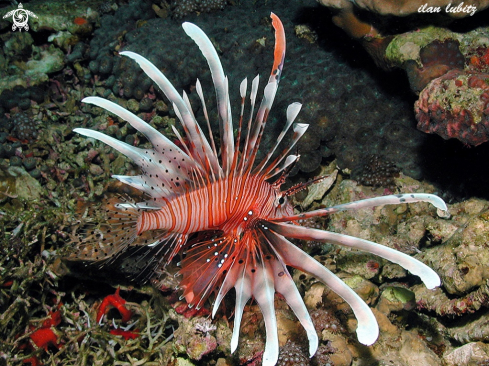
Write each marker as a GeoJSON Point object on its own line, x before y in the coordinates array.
{"type": "Point", "coordinates": [21, 184]}
{"type": "Point", "coordinates": [96, 170]}
{"type": "Point", "coordinates": [475, 353]}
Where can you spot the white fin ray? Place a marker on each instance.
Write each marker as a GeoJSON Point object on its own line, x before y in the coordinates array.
{"type": "Point", "coordinates": [299, 130]}
{"type": "Point", "coordinates": [227, 284]}
{"type": "Point", "coordinates": [160, 142]}
{"type": "Point", "coordinates": [416, 267]}
{"type": "Point", "coordinates": [188, 104]}
{"type": "Point", "coordinates": [200, 93]}
{"type": "Point", "coordinates": [284, 284]}
{"type": "Point", "coordinates": [264, 292]}
{"type": "Point", "coordinates": [371, 202]}
{"type": "Point", "coordinates": [144, 205]}
{"type": "Point", "coordinates": [194, 132]}
{"type": "Point", "coordinates": [151, 186]}
{"type": "Point", "coordinates": [288, 161]}
{"type": "Point", "coordinates": [151, 162]}
{"type": "Point", "coordinates": [292, 112]}
{"type": "Point", "coordinates": [367, 329]}
{"type": "Point", "coordinates": [243, 294]}
{"type": "Point", "coordinates": [243, 87]}
{"type": "Point", "coordinates": [247, 147]}
{"type": "Point", "coordinates": [260, 122]}
{"type": "Point", "coordinates": [220, 85]}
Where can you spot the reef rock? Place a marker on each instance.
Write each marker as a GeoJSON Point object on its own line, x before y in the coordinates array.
{"type": "Point", "coordinates": [476, 353]}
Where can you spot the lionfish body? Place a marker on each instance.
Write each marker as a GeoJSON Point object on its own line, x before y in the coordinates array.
{"type": "Point", "coordinates": [226, 214]}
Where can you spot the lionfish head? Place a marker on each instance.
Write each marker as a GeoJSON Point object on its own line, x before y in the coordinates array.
{"type": "Point", "coordinates": [198, 197]}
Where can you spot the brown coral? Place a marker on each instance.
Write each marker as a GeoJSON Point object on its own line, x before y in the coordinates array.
{"type": "Point", "coordinates": [292, 355]}
{"type": "Point", "coordinates": [377, 172]}
{"type": "Point", "coordinates": [437, 59]}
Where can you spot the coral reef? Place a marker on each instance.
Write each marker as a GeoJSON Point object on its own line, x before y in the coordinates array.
{"type": "Point", "coordinates": [448, 70]}
{"type": "Point", "coordinates": [44, 60]}
{"type": "Point", "coordinates": [456, 105]}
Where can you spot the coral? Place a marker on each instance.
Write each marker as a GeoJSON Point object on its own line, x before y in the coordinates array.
{"type": "Point", "coordinates": [94, 66]}
{"type": "Point", "coordinates": [325, 319]}
{"type": "Point", "coordinates": [116, 301]}
{"type": "Point", "coordinates": [44, 336]}
{"type": "Point", "coordinates": [146, 104]}
{"type": "Point", "coordinates": [376, 172]}
{"type": "Point", "coordinates": [195, 336]}
{"type": "Point", "coordinates": [395, 298]}
{"type": "Point", "coordinates": [323, 355]}
{"type": "Point", "coordinates": [47, 61]}
{"type": "Point", "coordinates": [309, 161]}
{"type": "Point", "coordinates": [105, 65]}
{"type": "Point", "coordinates": [292, 355]}
{"type": "Point", "coordinates": [348, 20]}
{"type": "Point", "coordinates": [184, 7]}
{"type": "Point", "coordinates": [456, 105]}
{"type": "Point", "coordinates": [107, 7]}
{"type": "Point", "coordinates": [15, 161]}
{"type": "Point", "coordinates": [20, 96]}
{"type": "Point", "coordinates": [443, 306]}
{"type": "Point", "coordinates": [18, 46]}
{"type": "Point", "coordinates": [24, 128]}
{"type": "Point", "coordinates": [126, 334]}
{"type": "Point", "coordinates": [437, 58]}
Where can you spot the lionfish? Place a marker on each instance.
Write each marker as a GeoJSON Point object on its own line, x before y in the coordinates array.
{"type": "Point", "coordinates": [225, 213]}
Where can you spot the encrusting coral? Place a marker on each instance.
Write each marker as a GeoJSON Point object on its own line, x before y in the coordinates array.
{"type": "Point", "coordinates": [456, 105]}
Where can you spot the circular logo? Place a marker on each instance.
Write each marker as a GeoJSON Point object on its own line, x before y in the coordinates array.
{"type": "Point", "coordinates": [20, 17]}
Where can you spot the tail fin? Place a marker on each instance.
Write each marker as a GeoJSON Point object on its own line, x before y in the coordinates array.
{"type": "Point", "coordinates": [118, 230]}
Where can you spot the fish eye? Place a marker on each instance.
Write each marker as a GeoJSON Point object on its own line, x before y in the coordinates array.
{"type": "Point", "coordinates": [281, 200]}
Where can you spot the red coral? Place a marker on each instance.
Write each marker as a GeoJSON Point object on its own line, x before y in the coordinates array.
{"type": "Point", "coordinates": [456, 105]}
{"type": "Point", "coordinates": [34, 361]}
{"type": "Point", "coordinates": [126, 334]}
{"type": "Point", "coordinates": [53, 320]}
{"type": "Point", "coordinates": [479, 60]}
{"type": "Point", "coordinates": [116, 301]}
{"type": "Point", "coordinates": [45, 337]}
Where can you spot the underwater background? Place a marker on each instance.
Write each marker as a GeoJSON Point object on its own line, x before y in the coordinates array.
{"type": "Point", "coordinates": [370, 97]}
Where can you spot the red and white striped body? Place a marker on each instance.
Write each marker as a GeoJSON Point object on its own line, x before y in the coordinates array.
{"type": "Point", "coordinates": [231, 204]}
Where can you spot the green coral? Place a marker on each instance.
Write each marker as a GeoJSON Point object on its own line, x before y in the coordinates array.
{"type": "Point", "coordinates": [46, 62]}
{"type": "Point", "coordinates": [406, 46]}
